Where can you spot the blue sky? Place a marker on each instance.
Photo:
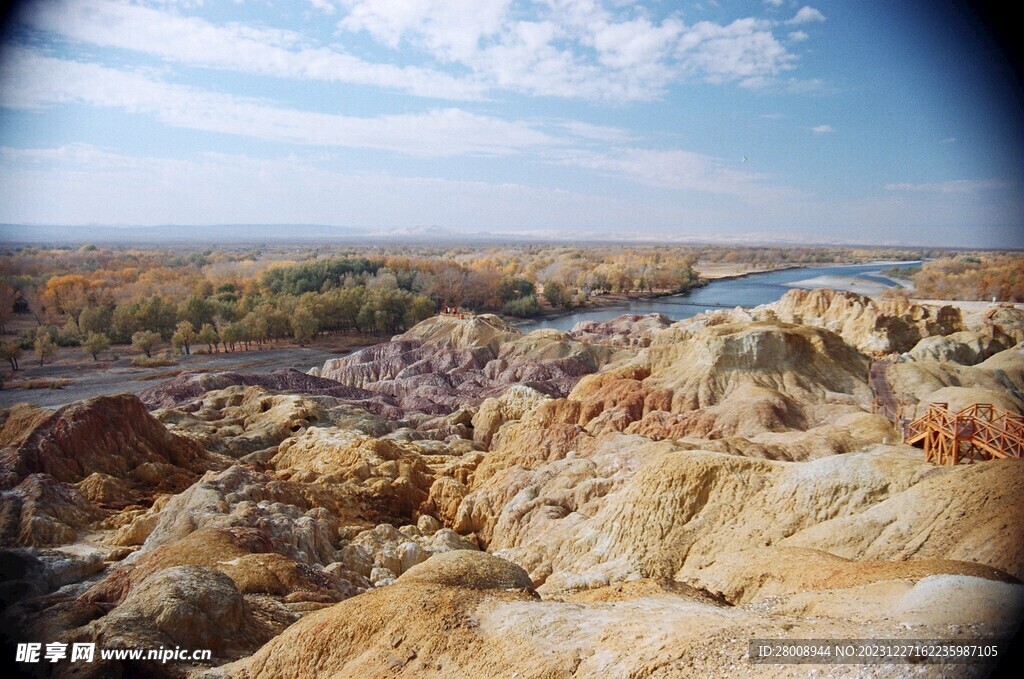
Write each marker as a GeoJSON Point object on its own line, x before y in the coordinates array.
{"type": "Point", "coordinates": [855, 122]}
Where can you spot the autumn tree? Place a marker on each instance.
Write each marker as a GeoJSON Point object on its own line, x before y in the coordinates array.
{"type": "Point", "coordinates": [482, 288]}
{"type": "Point", "coordinates": [7, 299]}
{"type": "Point", "coordinates": [44, 347]}
{"type": "Point", "coordinates": [145, 341]}
{"type": "Point", "coordinates": [10, 351]}
{"type": "Point", "coordinates": [95, 344]}
{"type": "Point", "coordinates": [448, 285]}
{"type": "Point", "coordinates": [36, 305]}
{"type": "Point", "coordinates": [68, 294]}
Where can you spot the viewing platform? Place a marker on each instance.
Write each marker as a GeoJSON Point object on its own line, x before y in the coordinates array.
{"type": "Point", "coordinates": [978, 432]}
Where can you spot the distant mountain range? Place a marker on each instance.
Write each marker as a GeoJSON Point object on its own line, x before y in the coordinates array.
{"type": "Point", "coordinates": [175, 233]}
{"type": "Point", "coordinates": [256, 234]}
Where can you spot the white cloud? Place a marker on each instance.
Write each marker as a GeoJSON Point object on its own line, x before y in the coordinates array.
{"type": "Point", "coordinates": [30, 80]}
{"type": "Point", "coordinates": [324, 6]}
{"type": "Point", "coordinates": [798, 36]}
{"type": "Point", "coordinates": [948, 140]}
{"type": "Point", "coordinates": [612, 135]}
{"type": "Point", "coordinates": [237, 47]}
{"type": "Point", "coordinates": [570, 49]}
{"type": "Point", "coordinates": [680, 170]}
{"type": "Point", "coordinates": [575, 49]}
{"type": "Point", "coordinates": [451, 29]}
{"type": "Point", "coordinates": [822, 129]}
{"type": "Point", "coordinates": [84, 155]}
{"type": "Point", "coordinates": [774, 3]}
{"type": "Point", "coordinates": [807, 15]}
{"type": "Point", "coordinates": [952, 186]}
{"type": "Point", "coordinates": [629, 44]}
{"type": "Point", "coordinates": [744, 50]}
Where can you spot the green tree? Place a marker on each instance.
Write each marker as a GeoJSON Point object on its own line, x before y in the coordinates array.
{"type": "Point", "coordinates": [11, 351]}
{"type": "Point", "coordinates": [94, 344]}
{"type": "Point", "coordinates": [184, 335]}
{"type": "Point", "coordinates": [524, 307]}
{"type": "Point", "coordinates": [388, 309]}
{"type": "Point", "coordinates": [196, 311]}
{"type": "Point", "coordinates": [208, 334]}
{"type": "Point", "coordinates": [44, 347]}
{"type": "Point", "coordinates": [97, 319]}
{"type": "Point", "coordinates": [557, 295]}
{"type": "Point", "coordinates": [69, 335]}
{"type": "Point", "coordinates": [350, 301]}
{"type": "Point", "coordinates": [278, 324]}
{"type": "Point", "coordinates": [515, 286]}
{"type": "Point", "coordinates": [125, 322]}
{"type": "Point", "coordinates": [304, 325]}
{"type": "Point", "coordinates": [256, 326]}
{"type": "Point", "coordinates": [145, 341]}
{"type": "Point", "coordinates": [157, 315]}
{"type": "Point", "coordinates": [421, 308]}
{"type": "Point", "coordinates": [229, 335]}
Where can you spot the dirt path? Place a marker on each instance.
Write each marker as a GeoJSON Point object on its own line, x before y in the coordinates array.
{"type": "Point", "coordinates": [878, 379]}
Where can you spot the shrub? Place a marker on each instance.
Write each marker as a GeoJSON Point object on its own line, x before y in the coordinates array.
{"type": "Point", "coordinates": [525, 307]}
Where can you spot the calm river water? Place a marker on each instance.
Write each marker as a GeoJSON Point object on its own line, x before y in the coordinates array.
{"type": "Point", "coordinates": [750, 291]}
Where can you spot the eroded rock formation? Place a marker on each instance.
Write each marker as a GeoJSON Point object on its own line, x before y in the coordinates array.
{"type": "Point", "coordinates": [634, 498]}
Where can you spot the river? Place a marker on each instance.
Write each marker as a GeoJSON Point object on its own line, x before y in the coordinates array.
{"type": "Point", "coordinates": [748, 291]}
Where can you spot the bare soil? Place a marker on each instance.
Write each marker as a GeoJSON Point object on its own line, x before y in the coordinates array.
{"type": "Point", "coordinates": [82, 377]}
{"type": "Point", "coordinates": [715, 270]}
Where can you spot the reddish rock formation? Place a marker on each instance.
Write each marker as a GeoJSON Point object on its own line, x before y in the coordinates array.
{"type": "Point", "coordinates": [113, 435]}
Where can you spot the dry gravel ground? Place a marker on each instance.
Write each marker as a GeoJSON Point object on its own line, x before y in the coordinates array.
{"type": "Point", "coordinates": [91, 378]}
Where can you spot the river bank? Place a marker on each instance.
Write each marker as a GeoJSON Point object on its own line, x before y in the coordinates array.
{"type": "Point", "coordinates": [709, 273]}
{"type": "Point", "coordinates": [735, 288]}
{"type": "Point", "coordinates": [716, 271]}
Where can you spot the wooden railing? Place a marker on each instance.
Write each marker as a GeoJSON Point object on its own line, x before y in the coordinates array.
{"type": "Point", "coordinates": [977, 432]}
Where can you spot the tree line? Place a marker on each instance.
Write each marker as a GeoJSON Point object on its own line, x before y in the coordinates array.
{"type": "Point", "coordinates": [225, 300]}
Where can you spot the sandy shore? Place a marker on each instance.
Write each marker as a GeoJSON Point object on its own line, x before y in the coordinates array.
{"type": "Point", "coordinates": [713, 271]}
{"type": "Point", "coordinates": [861, 286]}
